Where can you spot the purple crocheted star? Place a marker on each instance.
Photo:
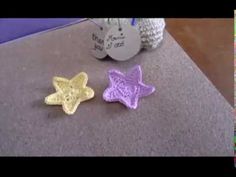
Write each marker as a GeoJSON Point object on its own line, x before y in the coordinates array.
{"type": "Point", "coordinates": [127, 88]}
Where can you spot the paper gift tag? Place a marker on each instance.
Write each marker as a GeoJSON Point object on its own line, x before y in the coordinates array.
{"type": "Point", "coordinates": [122, 43]}
{"type": "Point", "coordinates": [97, 41]}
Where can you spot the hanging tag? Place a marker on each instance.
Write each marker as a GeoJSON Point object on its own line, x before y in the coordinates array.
{"type": "Point", "coordinates": [97, 41]}
{"type": "Point", "coordinates": [122, 42]}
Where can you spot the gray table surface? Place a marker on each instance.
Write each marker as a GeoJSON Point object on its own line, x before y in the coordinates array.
{"type": "Point", "coordinates": [186, 116]}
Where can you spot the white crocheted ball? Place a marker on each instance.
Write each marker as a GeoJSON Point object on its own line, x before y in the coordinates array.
{"type": "Point", "coordinates": [151, 31]}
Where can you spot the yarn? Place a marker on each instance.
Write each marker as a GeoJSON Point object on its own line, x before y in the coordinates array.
{"type": "Point", "coordinates": [151, 32]}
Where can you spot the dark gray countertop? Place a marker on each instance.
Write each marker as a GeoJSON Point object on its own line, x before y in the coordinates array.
{"type": "Point", "coordinates": [186, 116]}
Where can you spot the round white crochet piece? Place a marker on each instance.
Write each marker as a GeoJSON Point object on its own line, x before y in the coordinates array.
{"type": "Point", "coordinates": [151, 31]}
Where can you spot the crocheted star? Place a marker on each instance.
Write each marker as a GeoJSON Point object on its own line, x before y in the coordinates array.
{"type": "Point", "coordinates": [127, 88]}
{"type": "Point", "coordinates": [70, 93]}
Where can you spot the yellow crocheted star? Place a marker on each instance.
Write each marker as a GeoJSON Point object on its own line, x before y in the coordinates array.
{"type": "Point", "coordinates": [70, 93]}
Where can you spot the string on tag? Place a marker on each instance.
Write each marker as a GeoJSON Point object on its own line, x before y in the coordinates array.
{"type": "Point", "coordinates": [133, 21]}
{"type": "Point", "coordinates": [119, 25]}
{"type": "Point", "coordinates": [95, 23]}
